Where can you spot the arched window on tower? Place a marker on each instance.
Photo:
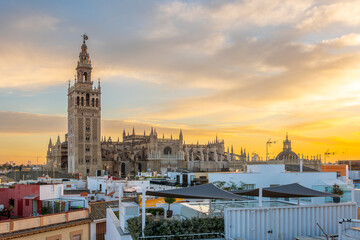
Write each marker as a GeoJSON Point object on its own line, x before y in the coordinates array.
{"type": "Point", "coordinates": [78, 100]}
{"type": "Point", "coordinates": [82, 101]}
{"type": "Point", "coordinates": [97, 102]}
{"type": "Point", "coordinates": [92, 102]}
{"type": "Point", "coordinates": [85, 76]}
{"type": "Point", "coordinates": [87, 99]}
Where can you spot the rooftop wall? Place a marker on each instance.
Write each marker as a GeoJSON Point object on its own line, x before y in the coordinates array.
{"type": "Point", "coordinates": [34, 222]}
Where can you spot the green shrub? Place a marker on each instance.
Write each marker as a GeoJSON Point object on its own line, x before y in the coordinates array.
{"type": "Point", "coordinates": [44, 210]}
{"type": "Point", "coordinates": [175, 227]}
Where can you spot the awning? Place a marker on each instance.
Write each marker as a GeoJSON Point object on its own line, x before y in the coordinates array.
{"type": "Point", "coordinates": [31, 197]}
{"type": "Point", "coordinates": [293, 190]}
{"type": "Point", "coordinates": [205, 191]}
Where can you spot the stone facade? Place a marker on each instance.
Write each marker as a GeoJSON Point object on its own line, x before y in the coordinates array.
{"type": "Point", "coordinates": [84, 152]}
{"type": "Point", "coordinates": [137, 153]}
{"type": "Point", "coordinates": [57, 155]}
{"type": "Point", "coordinates": [84, 120]}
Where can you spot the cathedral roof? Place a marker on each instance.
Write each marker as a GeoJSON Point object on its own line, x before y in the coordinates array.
{"type": "Point", "coordinates": [287, 154]}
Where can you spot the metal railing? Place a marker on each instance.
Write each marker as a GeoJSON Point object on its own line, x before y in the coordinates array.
{"type": "Point", "coordinates": [188, 236]}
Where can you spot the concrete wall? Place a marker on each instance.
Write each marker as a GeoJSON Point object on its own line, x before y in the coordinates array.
{"type": "Point", "coordinates": [112, 226]}
{"type": "Point", "coordinates": [51, 191]}
{"type": "Point", "coordinates": [63, 234]}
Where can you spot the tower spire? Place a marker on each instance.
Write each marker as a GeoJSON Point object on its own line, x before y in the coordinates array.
{"type": "Point", "coordinates": [84, 64]}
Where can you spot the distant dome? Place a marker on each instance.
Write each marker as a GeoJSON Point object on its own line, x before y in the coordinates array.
{"type": "Point", "coordinates": [287, 153]}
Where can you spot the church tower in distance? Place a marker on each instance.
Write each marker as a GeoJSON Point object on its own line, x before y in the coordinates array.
{"type": "Point", "coordinates": [84, 119]}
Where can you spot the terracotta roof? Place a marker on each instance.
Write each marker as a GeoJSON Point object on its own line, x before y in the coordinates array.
{"type": "Point", "coordinates": [98, 209]}
{"type": "Point", "coordinates": [109, 194]}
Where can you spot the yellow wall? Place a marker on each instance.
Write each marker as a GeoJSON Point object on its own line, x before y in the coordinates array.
{"type": "Point", "coordinates": [64, 232]}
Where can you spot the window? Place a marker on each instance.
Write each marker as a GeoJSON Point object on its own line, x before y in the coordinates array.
{"type": "Point", "coordinates": [248, 186]}
{"type": "Point", "coordinates": [87, 170]}
{"type": "Point", "coordinates": [78, 101]}
{"type": "Point", "coordinates": [87, 159]}
{"type": "Point", "coordinates": [76, 235]}
{"type": "Point", "coordinates": [97, 102]}
{"type": "Point", "coordinates": [87, 99]}
{"type": "Point", "coordinates": [56, 237]}
{"type": "Point", "coordinates": [82, 101]}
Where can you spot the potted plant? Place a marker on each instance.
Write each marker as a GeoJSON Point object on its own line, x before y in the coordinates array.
{"type": "Point", "coordinates": [337, 190]}
{"type": "Point", "coordinates": [169, 200]}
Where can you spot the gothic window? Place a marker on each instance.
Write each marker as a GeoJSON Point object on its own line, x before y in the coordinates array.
{"type": "Point", "coordinates": [81, 129]}
{"type": "Point", "coordinates": [87, 99]}
{"type": "Point", "coordinates": [85, 76]}
{"type": "Point", "coordinates": [87, 137]}
{"type": "Point", "coordinates": [123, 170]}
{"type": "Point", "coordinates": [87, 149]}
{"type": "Point", "coordinates": [87, 127]}
{"type": "Point", "coordinates": [167, 151]}
{"type": "Point", "coordinates": [78, 101]}
{"type": "Point", "coordinates": [82, 101]}
{"type": "Point", "coordinates": [97, 102]}
{"type": "Point", "coordinates": [92, 102]}
{"type": "Point", "coordinates": [94, 129]}
{"type": "Point", "coordinates": [87, 159]}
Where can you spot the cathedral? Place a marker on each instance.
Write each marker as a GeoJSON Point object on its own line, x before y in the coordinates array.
{"type": "Point", "coordinates": [85, 152]}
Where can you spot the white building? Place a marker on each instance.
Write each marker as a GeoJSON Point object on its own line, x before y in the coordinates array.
{"type": "Point", "coordinates": [274, 175]}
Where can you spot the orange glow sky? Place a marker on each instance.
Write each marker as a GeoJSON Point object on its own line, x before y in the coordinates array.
{"type": "Point", "coordinates": [248, 71]}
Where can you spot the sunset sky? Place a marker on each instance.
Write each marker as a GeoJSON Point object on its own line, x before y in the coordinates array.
{"type": "Point", "coordinates": [247, 71]}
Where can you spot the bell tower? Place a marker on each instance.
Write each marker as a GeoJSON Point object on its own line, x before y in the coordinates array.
{"type": "Point", "coordinates": [84, 120]}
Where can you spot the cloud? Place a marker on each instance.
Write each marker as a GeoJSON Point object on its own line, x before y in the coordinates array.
{"type": "Point", "coordinates": [28, 123]}
{"type": "Point", "coordinates": [343, 13]}
{"type": "Point", "coordinates": [243, 68]}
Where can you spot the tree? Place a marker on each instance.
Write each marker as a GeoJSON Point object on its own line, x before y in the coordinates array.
{"type": "Point", "coordinates": [169, 200]}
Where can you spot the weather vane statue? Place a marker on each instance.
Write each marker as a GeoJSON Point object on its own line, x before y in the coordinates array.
{"type": "Point", "coordinates": [85, 37]}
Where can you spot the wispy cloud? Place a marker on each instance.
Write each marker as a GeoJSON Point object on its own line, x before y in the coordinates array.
{"type": "Point", "coordinates": [246, 69]}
